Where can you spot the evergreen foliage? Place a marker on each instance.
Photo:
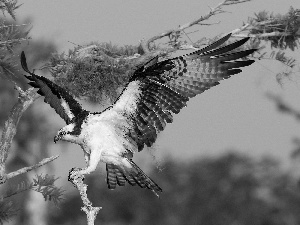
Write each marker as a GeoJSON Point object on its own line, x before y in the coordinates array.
{"type": "Point", "coordinates": [11, 35]}
{"type": "Point", "coordinates": [9, 6]}
{"type": "Point", "coordinates": [281, 32]}
{"type": "Point", "coordinates": [95, 71]}
{"type": "Point", "coordinates": [43, 184]}
{"type": "Point", "coordinates": [287, 26]}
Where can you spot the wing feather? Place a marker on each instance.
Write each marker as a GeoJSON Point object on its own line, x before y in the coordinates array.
{"type": "Point", "coordinates": [159, 89]}
{"type": "Point", "coordinates": [134, 176]}
{"type": "Point", "coordinates": [58, 98]}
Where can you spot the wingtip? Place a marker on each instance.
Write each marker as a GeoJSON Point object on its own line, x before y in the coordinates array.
{"type": "Point", "coordinates": [225, 38]}
{"type": "Point", "coordinates": [250, 51]}
{"type": "Point", "coordinates": [228, 35]}
{"type": "Point", "coordinates": [253, 50]}
{"type": "Point", "coordinates": [24, 63]}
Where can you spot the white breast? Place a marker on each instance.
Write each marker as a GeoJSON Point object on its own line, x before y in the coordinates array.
{"type": "Point", "coordinates": [102, 132]}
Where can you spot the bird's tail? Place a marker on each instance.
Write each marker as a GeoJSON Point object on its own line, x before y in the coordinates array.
{"type": "Point", "coordinates": [134, 176]}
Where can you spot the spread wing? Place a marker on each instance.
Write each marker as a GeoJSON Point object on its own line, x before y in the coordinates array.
{"type": "Point", "coordinates": [157, 91]}
{"type": "Point", "coordinates": [58, 98]}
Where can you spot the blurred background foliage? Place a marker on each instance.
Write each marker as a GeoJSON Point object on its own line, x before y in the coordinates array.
{"type": "Point", "coordinates": [231, 189]}
{"type": "Point", "coordinates": [31, 141]}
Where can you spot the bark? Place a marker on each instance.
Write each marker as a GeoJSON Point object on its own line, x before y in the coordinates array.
{"type": "Point", "coordinates": [25, 99]}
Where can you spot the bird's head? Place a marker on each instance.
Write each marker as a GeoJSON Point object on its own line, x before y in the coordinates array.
{"type": "Point", "coordinates": [65, 133]}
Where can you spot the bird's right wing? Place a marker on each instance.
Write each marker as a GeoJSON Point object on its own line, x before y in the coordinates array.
{"type": "Point", "coordinates": [158, 90]}
{"type": "Point", "coordinates": [57, 97]}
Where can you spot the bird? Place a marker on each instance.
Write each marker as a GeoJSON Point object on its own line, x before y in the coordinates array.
{"type": "Point", "coordinates": [153, 94]}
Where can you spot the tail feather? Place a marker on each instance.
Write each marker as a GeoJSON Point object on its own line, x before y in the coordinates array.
{"type": "Point", "coordinates": [134, 176]}
{"type": "Point", "coordinates": [120, 177]}
{"type": "Point", "coordinates": [111, 178]}
{"type": "Point", "coordinates": [142, 179]}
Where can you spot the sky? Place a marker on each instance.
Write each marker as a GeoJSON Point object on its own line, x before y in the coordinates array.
{"type": "Point", "coordinates": [235, 115]}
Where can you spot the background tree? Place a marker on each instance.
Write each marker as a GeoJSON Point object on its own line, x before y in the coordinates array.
{"type": "Point", "coordinates": [30, 143]}
{"type": "Point", "coordinates": [231, 189]}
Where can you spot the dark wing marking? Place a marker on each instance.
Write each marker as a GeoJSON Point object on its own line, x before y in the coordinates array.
{"type": "Point", "coordinates": [58, 98]}
{"type": "Point", "coordinates": [158, 90]}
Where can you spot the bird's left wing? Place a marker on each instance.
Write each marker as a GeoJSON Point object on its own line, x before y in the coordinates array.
{"type": "Point", "coordinates": [57, 97]}
{"type": "Point", "coordinates": [160, 89]}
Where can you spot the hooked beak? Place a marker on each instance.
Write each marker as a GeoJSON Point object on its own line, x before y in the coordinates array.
{"type": "Point", "coordinates": [57, 138]}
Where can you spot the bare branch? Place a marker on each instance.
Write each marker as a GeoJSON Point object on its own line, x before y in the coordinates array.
{"type": "Point", "coordinates": [233, 2]}
{"type": "Point", "coordinates": [77, 180]}
{"type": "Point", "coordinates": [272, 34]}
{"type": "Point", "coordinates": [14, 25]}
{"type": "Point", "coordinates": [213, 11]}
{"type": "Point", "coordinates": [238, 30]}
{"type": "Point", "coordinates": [12, 41]}
{"type": "Point", "coordinates": [26, 98]}
{"type": "Point", "coordinates": [29, 168]}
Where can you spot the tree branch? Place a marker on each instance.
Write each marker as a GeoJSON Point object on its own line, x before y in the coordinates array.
{"type": "Point", "coordinates": [213, 11]}
{"type": "Point", "coordinates": [238, 30]}
{"type": "Point", "coordinates": [271, 34]}
{"type": "Point", "coordinates": [77, 180]}
{"type": "Point", "coordinates": [12, 41]}
{"type": "Point", "coordinates": [29, 168]}
{"type": "Point", "coordinates": [26, 98]}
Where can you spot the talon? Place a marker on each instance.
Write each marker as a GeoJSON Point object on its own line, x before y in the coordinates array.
{"type": "Point", "coordinates": [74, 174]}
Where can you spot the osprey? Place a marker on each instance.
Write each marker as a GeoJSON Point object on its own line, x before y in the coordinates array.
{"type": "Point", "coordinates": [153, 94]}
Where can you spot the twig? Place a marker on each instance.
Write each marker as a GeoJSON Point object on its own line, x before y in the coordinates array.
{"type": "Point", "coordinates": [232, 2]}
{"type": "Point", "coordinates": [213, 11]}
{"type": "Point", "coordinates": [26, 98]}
{"type": "Point", "coordinates": [238, 30]}
{"type": "Point", "coordinates": [188, 37]}
{"type": "Point", "coordinates": [271, 34]}
{"type": "Point", "coordinates": [77, 180]}
{"type": "Point", "coordinates": [14, 25]}
{"type": "Point", "coordinates": [29, 168]}
{"type": "Point", "coordinates": [12, 41]}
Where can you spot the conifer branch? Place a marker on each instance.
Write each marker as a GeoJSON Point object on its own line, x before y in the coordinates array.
{"type": "Point", "coordinates": [9, 6]}
{"type": "Point", "coordinates": [16, 189]}
{"type": "Point", "coordinates": [42, 184]}
{"type": "Point", "coordinates": [45, 186]}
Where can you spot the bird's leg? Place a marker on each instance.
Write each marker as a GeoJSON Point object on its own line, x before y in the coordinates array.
{"type": "Point", "coordinates": [92, 161]}
{"type": "Point", "coordinates": [86, 157]}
